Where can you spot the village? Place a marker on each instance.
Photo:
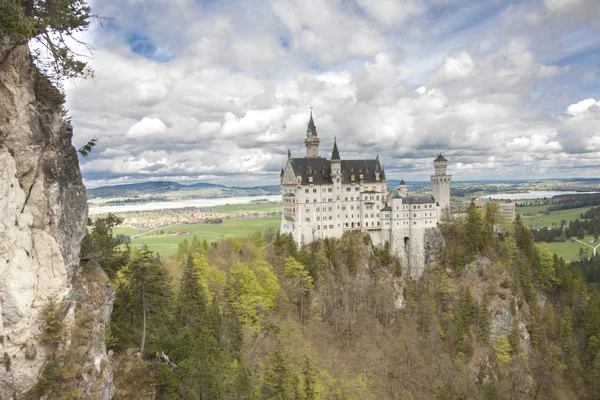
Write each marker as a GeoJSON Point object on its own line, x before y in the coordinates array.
{"type": "Point", "coordinates": [189, 215]}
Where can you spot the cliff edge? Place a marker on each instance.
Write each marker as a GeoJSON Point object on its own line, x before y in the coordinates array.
{"type": "Point", "coordinates": [43, 216]}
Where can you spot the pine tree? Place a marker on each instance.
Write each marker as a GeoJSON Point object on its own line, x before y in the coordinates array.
{"type": "Point", "coordinates": [474, 238]}
{"type": "Point", "coordinates": [191, 304]}
{"type": "Point", "coordinates": [149, 285]}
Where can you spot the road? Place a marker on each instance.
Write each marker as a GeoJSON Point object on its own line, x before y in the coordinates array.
{"type": "Point", "coordinates": [588, 245]}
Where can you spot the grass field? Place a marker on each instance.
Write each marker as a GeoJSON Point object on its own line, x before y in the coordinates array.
{"type": "Point", "coordinates": [248, 207]}
{"type": "Point", "coordinates": [569, 250]}
{"type": "Point", "coordinates": [553, 218]}
{"type": "Point", "coordinates": [166, 244]}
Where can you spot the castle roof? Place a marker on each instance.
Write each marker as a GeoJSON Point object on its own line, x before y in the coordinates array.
{"type": "Point", "coordinates": [440, 157]}
{"type": "Point", "coordinates": [335, 154]}
{"type": "Point", "coordinates": [386, 208]}
{"type": "Point", "coordinates": [394, 194]}
{"type": "Point", "coordinates": [402, 182]}
{"type": "Point", "coordinates": [419, 200]}
{"type": "Point", "coordinates": [320, 169]}
{"type": "Point", "coordinates": [312, 129]}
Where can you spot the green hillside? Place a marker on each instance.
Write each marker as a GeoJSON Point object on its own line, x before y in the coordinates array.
{"type": "Point", "coordinates": [492, 317]}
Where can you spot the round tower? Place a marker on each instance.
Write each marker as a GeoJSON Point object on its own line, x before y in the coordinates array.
{"type": "Point", "coordinates": [440, 183]}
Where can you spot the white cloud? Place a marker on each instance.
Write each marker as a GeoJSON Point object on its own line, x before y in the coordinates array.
{"type": "Point", "coordinates": [398, 79]}
{"type": "Point", "coordinates": [147, 128]}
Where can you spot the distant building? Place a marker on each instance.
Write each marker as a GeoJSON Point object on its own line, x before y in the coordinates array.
{"type": "Point", "coordinates": [325, 198]}
{"type": "Point", "coordinates": [506, 207]}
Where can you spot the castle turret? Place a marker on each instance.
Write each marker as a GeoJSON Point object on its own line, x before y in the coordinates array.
{"type": "Point", "coordinates": [403, 189]}
{"type": "Point", "coordinates": [336, 162]}
{"type": "Point", "coordinates": [312, 140]}
{"type": "Point", "coordinates": [440, 183]}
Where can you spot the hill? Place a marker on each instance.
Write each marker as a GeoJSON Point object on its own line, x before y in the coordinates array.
{"type": "Point", "coordinates": [258, 318]}
{"type": "Point", "coordinates": [165, 191]}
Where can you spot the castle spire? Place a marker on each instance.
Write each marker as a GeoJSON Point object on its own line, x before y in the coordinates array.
{"type": "Point", "coordinates": [312, 140]}
{"type": "Point", "coordinates": [311, 129]}
{"type": "Point", "coordinates": [289, 154]}
{"type": "Point", "coordinates": [335, 154]}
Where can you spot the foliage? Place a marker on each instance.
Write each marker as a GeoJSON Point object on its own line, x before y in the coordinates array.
{"type": "Point", "coordinates": [87, 148]}
{"type": "Point", "coordinates": [251, 318]}
{"type": "Point", "coordinates": [101, 244]}
{"type": "Point", "coordinates": [54, 25]}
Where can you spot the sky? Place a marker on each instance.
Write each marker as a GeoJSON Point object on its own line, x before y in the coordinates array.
{"type": "Point", "coordinates": [219, 90]}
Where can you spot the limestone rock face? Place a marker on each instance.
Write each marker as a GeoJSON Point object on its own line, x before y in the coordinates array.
{"type": "Point", "coordinates": [43, 214]}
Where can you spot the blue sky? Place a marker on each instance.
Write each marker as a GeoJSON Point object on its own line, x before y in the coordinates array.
{"type": "Point", "coordinates": [217, 91]}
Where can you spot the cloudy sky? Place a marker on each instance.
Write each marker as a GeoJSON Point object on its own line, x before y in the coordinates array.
{"type": "Point", "coordinates": [217, 91]}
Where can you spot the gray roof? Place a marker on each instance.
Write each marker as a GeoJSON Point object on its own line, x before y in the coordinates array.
{"type": "Point", "coordinates": [320, 169]}
{"type": "Point", "coordinates": [335, 154]}
{"type": "Point", "coordinates": [311, 126]}
{"type": "Point", "coordinates": [386, 208]}
{"type": "Point", "coordinates": [402, 182]}
{"type": "Point", "coordinates": [440, 157]}
{"type": "Point", "coordinates": [419, 200]}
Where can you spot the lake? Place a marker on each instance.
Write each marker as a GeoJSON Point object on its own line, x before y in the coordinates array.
{"type": "Point", "coordinates": [531, 195]}
{"type": "Point", "coordinates": [162, 205]}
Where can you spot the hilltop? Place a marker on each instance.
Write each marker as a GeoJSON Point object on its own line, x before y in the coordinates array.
{"type": "Point", "coordinates": [145, 192]}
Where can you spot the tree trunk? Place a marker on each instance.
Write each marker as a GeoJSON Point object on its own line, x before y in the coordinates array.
{"type": "Point", "coordinates": [143, 319]}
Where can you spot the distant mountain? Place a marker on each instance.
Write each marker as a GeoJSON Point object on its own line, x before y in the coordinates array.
{"type": "Point", "coordinates": [166, 190]}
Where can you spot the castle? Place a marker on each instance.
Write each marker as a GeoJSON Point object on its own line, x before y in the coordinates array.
{"type": "Point", "coordinates": [325, 198]}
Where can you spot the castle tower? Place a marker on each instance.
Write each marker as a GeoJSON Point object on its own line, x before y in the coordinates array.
{"type": "Point", "coordinates": [440, 183]}
{"type": "Point", "coordinates": [312, 140]}
{"type": "Point", "coordinates": [403, 189]}
{"type": "Point", "coordinates": [336, 162]}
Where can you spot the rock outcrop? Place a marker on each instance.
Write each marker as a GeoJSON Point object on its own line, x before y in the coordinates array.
{"type": "Point", "coordinates": [43, 215]}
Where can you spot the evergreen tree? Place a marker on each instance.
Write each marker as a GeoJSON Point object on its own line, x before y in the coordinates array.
{"type": "Point", "coordinates": [191, 304]}
{"type": "Point", "coordinates": [149, 284]}
{"type": "Point", "coordinates": [474, 237]}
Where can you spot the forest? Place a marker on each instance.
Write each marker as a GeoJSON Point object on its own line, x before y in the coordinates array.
{"type": "Point", "coordinates": [494, 318]}
{"type": "Point", "coordinates": [587, 224]}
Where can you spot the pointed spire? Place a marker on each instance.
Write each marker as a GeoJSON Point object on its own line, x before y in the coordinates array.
{"type": "Point", "coordinates": [312, 129]}
{"type": "Point", "coordinates": [402, 183]}
{"type": "Point", "coordinates": [335, 154]}
{"type": "Point", "coordinates": [289, 154]}
{"type": "Point", "coordinates": [281, 174]}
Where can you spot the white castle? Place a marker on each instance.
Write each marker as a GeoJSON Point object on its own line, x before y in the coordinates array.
{"type": "Point", "coordinates": [325, 198]}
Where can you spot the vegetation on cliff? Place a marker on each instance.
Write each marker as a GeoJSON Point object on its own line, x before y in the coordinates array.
{"type": "Point", "coordinates": [498, 318]}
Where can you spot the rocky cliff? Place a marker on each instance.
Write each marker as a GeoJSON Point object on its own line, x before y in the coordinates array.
{"type": "Point", "coordinates": [43, 214]}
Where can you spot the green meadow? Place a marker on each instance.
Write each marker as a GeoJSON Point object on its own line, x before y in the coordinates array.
{"type": "Point", "coordinates": [166, 244]}
{"type": "Point", "coordinates": [553, 218]}
{"type": "Point", "coordinates": [569, 250]}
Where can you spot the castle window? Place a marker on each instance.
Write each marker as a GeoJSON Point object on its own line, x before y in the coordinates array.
{"type": "Point", "coordinates": [414, 223]}
{"type": "Point", "coordinates": [314, 200]}
{"type": "Point", "coordinates": [330, 190]}
{"type": "Point", "coordinates": [377, 197]}
{"type": "Point", "coordinates": [307, 200]}
{"type": "Point", "coordinates": [314, 190]}
{"type": "Point", "coordinates": [307, 219]}
{"type": "Point", "coordinates": [330, 226]}
{"type": "Point", "coordinates": [356, 189]}
{"type": "Point", "coordinates": [318, 218]}
{"type": "Point", "coordinates": [367, 224]}
{"type": "Point", "coordinates": [318, 209]}
{"type": "Point", "coordinates": [378, 223]}
{"type": "Point", "coordinates": [348, 189]}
